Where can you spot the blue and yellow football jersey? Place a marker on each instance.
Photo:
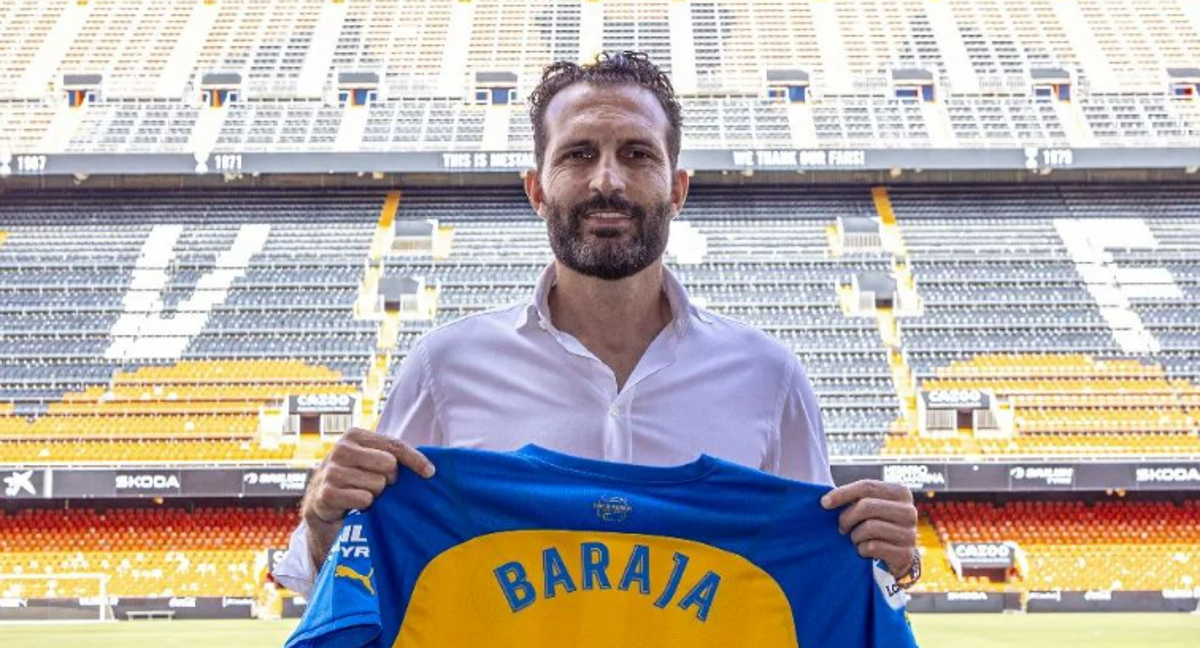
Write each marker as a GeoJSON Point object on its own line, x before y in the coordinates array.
{"type": "Point", "coordinates": [535, 548]}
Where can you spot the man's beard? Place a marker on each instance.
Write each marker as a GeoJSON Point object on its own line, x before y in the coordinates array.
{"type": "Point", "coordinates": [603, 254]}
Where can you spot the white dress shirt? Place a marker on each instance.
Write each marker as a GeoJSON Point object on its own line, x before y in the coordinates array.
{"type": "Point", "coordinates": [504, 378]}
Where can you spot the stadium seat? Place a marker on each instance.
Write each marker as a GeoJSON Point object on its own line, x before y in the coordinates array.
{"type": "Point", "coordinates": [1109, 545]}
{"type": "Point", "coordinates": [147, 552]}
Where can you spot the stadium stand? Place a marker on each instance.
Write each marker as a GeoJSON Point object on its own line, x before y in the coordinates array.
{"type": "Point", "coordinates": [405, 38]}
{"type": "Point", "coordinates": [1137, 39]}
{"type": "Point", "coordinates": [72, 334]}
{"type": "Point", "coordinates": [996, 272]}
{"type": "Point", "coordinates": [501, 38]}
{"type": "Point", "coordinates": [24, 27]}
{"type": "Point", "coordinates": [136, 39]}
{"type": "Point", "coordinates": [159, 326]}
{"type": "Point", "coordinates": [776, 275]}
{"type": "Point", "coordinates": [780, 274]}
{"type": "Point", "coordinates": [147, 552]}
{"type": "Point", "coordinates": [982, 56]}
{"type": "Point", "coordinates": [1107, 545]}
{"type": "Point", "coordinates": [735, 42]}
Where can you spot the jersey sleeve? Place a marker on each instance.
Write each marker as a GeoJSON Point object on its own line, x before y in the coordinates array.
{"type": "Point", "coordinates": [839, 598]}
{"type": "Point", "coordinates": [408, 415]}
{"type": "Point", "coordinates": [889, 620]}
{"type": "Point", "coordinates": [343, 610]}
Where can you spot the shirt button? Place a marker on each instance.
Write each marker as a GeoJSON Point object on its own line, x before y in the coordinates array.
{"type": "Point", "coordinates": [614, 411]}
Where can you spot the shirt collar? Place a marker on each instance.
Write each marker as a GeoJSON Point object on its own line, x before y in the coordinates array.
{"type": "Point", "coordinates": [537, 310]}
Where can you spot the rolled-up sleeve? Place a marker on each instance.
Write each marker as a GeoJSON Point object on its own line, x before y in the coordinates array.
{"type": "Point", "coordinates": [803, 453]}
{"type": "Point", "coordinates": [409, 415]}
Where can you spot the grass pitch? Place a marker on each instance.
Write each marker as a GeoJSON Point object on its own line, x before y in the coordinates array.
{"type": "Point", "coordinates": [932, 630]}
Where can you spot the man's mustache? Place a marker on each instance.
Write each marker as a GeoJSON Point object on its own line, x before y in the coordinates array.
{"type": "Point", "coordinates": [613, 204]}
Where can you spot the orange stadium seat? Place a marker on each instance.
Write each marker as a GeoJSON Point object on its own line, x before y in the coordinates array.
{"type": "Point", "coordinates": [147, 552]}
{"type": "Point", "coordinates": [1069, 404]}
{"type": "Point", "coordinates": [1070, 545]}
{"type": "Point", "coordinates": [139, 450]}
{"type": "Point", "coordinates": [163, 426]}
{"type": "Point", "coordinates": [189, 411]}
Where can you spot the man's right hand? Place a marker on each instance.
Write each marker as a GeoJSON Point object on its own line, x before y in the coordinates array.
{"type": "Point", "coordinates": [357, 469]}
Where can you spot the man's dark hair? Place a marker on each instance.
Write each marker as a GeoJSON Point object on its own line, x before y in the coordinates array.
{"type": "Point", "coordinates": [632, 68]}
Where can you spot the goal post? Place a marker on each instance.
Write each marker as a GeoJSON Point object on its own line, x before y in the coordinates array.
{"type": "Point", "coordinates": [58, 598]}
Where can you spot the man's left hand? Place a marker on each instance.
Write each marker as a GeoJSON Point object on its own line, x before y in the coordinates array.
{"type": "Point", "coordinates": [881, 520]}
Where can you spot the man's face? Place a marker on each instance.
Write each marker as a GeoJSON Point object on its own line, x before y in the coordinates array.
{"type": "Point", "coordinates": [606, 188]}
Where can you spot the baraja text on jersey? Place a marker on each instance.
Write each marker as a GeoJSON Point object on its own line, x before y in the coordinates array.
{"type": "Point", "coordinates": [594, 573]}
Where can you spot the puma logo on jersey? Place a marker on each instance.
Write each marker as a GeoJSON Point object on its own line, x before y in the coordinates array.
{"type": "Point", "coordinates": [343, 571]}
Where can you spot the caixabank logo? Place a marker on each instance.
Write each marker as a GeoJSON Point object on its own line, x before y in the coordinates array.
{"type": "Point", "coordinates": [20, 483]}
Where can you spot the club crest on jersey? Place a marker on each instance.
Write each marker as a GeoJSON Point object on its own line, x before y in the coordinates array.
{"type": "Point", "coordinates": [612, 508]}
{"type": "Point", "coordinates": [520, 592]}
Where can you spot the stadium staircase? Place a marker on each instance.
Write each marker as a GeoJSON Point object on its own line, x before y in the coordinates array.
{"type": "Point", "coordinates": [838, 78]}
{"type": "Point", "coordinates": [453, 67]}
{"type": "Point", "coordinates": [178, 69]}
{"type": "Point", "coordinates": [1192, 11]}
{"type": "Point", "coordinates": [1092, 56]}
{"type": "Point", "coordinates": [591, 30]}
{"type": "Point", "coordinates": [683, 48]}
{"type": "Point", "coordinates": [368, 291]}
{"type": "Point", "coordinates": [495, 127]}
{"type": "Point", "coordinates": [960, 73]}
{"type": "Point", "coordinates": [351, 127]}
{"type": "Point", "coordinates": [368, 307]}
{"type": "Point", "coordinates": [937, 122]}
{"type": "Point", "coordinates": [318, 62]}
{"type": "Point", "coordinates": [1075, 125]}
{"type": "Point", "coordinates": [63, 125]}
{"type": "Point", "coordinates": [204, 135]}
{"type": "Point", "coordinates": [902, 377]}
{"type": "Point", "coordinates": [802, 126]}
